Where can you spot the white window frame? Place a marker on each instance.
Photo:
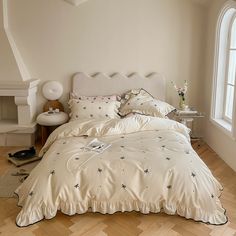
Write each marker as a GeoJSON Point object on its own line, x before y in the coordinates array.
{"type": "Point", "coordinates": [221, 67]}
{"type": "Point", "coordinates": [227, 119]}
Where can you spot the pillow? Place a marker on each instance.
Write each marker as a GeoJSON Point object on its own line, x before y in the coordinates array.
{"type": "Point", "coordinates": [144, 103]}
{"type": "Point", "coordinates": [84, 109]}
{"type": "Point", "coordinates": [95, 98]}
{"type": "Point", "coordinates": [126, 96]}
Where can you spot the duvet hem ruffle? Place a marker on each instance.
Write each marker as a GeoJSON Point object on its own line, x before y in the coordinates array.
{"type": "Point", "coordinates": [31, 216]}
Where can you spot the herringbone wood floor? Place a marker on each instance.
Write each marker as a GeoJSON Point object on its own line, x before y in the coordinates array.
{"type": "Point", "coordinates": [126, 224]}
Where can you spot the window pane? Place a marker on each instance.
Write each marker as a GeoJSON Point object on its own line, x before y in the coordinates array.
{"type": "Point", "coordinates": [229, 101]}
{"type": "Point", "coordinates": [233, 35]}
{"type": "Point", "coordinates": [232, 67]}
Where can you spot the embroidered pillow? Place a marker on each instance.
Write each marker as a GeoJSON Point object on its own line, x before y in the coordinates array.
{"type": "Point", "coordinates": [144, 103]}
{"type": "Point", "coordinates": [95, 98]}
{"type": "Point", "coordinates": [85, 109]}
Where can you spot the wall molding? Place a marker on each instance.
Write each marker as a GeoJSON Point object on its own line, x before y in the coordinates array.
{"type": "Point", "coordinates": [19, 60]}
{"type": "Point", "coordinates": [76, 2]}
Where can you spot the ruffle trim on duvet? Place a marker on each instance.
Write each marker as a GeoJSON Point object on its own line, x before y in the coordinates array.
{"type": "Point", "coordinates": [31, 216]}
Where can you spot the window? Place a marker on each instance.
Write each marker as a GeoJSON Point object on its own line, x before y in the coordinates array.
{"type": "Point", "coordinates": [230, 78]}
{"type": "Point", "coordinates": [224, 98]}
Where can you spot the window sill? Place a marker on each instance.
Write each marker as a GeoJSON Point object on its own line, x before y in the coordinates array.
{"type": "Point", "coordinates": [224, 126]}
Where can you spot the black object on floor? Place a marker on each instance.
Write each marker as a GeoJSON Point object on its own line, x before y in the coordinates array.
{"type": "Point", "coordinates": [24, 154]}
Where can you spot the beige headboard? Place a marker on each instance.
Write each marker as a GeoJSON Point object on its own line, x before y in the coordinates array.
{"type": "Point", "coordinates": [102, 84]}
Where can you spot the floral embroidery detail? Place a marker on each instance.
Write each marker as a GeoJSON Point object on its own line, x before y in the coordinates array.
{"type": "Point", "coordinates": [123, 186]}
{"type": "Point", "coordinates": [193, 174]}
{"type": "Point", "coordinates": [76, 186]}
{"type": "Point", "coordinates": [31, 193]}
{"type": "Point", "coordinates": [169, 186]}
{"type": "Point", "coordinates": [99, 170]}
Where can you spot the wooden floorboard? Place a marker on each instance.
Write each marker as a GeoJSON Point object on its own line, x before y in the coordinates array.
{"type": "Point", "coordinates": [127, 224]}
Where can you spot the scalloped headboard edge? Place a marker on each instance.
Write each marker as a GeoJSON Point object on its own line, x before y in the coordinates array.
{"type": "Point", "coordinates": [117, 83]}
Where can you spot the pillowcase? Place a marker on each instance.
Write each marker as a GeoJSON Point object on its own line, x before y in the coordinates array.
{"type": "Point", "coordinates": [144, 103]}
{"type": "Point", "coordinates": [84, 109]}
{"type": "Point", "coordinates": [95, 98]}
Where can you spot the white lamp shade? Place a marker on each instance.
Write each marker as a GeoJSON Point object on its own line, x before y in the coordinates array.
{"type": "Point", "coordinates": [52, 90]}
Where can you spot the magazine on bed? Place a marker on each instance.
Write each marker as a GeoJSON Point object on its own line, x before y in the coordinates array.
{"type": "Point", "coordinates": [97, 146]}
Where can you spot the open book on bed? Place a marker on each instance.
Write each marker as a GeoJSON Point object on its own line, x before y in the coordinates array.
{"type": "Point", "coordinates": [97, 146]}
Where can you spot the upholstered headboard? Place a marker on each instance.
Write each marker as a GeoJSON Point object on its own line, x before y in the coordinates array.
{"type": "Point", "coordinates": [102, 84]}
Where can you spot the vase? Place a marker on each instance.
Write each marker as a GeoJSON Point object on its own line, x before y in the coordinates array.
{"type": "Point", "coordinates": [181, 102]}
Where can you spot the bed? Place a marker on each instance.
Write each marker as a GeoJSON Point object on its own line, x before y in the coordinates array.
{"type": "Point", "coordinates": [148, 166]}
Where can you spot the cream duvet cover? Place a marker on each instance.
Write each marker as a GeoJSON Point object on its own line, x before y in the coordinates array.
{"type": "Point", "coordinates": [149, 167]}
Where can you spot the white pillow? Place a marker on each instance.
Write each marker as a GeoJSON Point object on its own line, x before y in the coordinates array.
{"type": "Point", "coordinates": [144, 103]}
{"type": "Point", "coordinates": [83, 109]}
{"type": "Point", "coordinates": [106, 98]}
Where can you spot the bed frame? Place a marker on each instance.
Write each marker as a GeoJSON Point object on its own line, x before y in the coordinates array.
{"type": "Point", "coordinates": [102, 84]}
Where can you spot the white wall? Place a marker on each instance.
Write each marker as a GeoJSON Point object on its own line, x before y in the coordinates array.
{"type": "Point", "coordinates": [56, 39]}
{"type": "Point", "coordinates": [215, 137]}
{"type": "Point", "coordinates": [8, 66]}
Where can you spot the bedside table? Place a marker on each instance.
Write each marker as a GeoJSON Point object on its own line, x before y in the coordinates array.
{"type": "Point", "coordinates": [49, 121]}
{"type": "Point", "coordinates": [188, 118]}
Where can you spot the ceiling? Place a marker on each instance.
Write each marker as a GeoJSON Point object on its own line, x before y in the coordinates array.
{"type": "Point", "coordinates": [203, 2]}
{"type": "Point", "coordinates": [78, 2]}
